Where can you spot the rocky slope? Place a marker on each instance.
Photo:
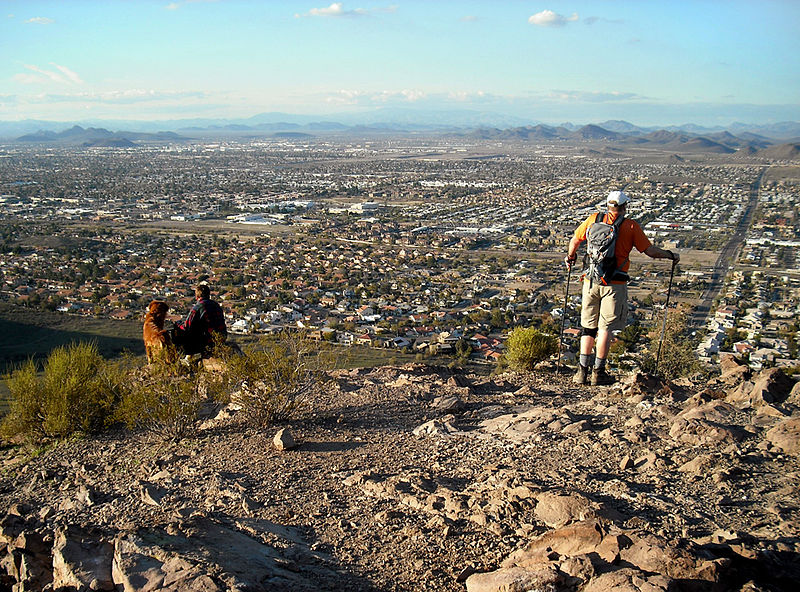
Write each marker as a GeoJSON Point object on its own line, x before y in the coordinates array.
{"type": "Point", "coordinates": [412, 478]}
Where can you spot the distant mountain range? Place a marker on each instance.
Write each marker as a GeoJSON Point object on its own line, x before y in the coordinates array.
{"type": "Point", "coordinates": [617, 134]}
{"type": "Point", "coordinates": [717, 143]}
{"type": "Point", "coordinates": [385, 120]}
{"type": "Point", "coordinates": [98, 137]}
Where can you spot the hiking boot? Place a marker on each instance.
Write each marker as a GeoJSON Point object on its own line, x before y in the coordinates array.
{"type": "Point", "coordinates": [600, 377]}
{"type": "Point", "coordinates": [580, 375]}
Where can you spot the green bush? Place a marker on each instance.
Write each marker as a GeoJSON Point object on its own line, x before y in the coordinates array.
{"type": "Point", "coordinates": [164, 398]}
{"type": "Point", "coordinates": [75, 392]}
{"type": "Point", "coordinates": [526, 347]}
{"type": "Point", "coordinates": [272, 381]}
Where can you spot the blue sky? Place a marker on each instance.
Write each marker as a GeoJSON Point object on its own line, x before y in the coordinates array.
{"type": "Point", "coordinates": [648, 62]}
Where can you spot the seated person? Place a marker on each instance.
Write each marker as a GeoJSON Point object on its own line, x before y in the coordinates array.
{"type": "Point", "coordinates": [203, 327]}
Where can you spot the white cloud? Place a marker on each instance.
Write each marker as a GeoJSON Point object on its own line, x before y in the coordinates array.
{"type": "Point", "coordinates": [360, 97]}
{"type": "Point", "coordinates": [470, 18]}
{"type": "Point", "coordinates": [72, 76]}
{"type": "Point", "coordinates": [337, 10]}
{"type": "Point", "coordinates": [121, 97]}
{"type": "Point", "coordinates": [593, 96]}
{"type": "Point", "coordinates": [27, 78]}
{"type": "Point", "coordinates": [346, 97]}
{"type": "Point", "coordinates": [40, 20]}
{"type": "Point", "coordinates": [548, 18]}
{"type": "Point", "coordinates": [177, 5]}
{"type": "Point", "coordinates": [465, 96]}
{"type": "Point", "coordinates": [61, 75]}
{"type": "Point", "coordinates": [41, 75]}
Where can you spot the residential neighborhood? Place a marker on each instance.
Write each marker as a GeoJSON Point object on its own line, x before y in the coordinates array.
{"type": "Point", "coordinates": [407, 244]}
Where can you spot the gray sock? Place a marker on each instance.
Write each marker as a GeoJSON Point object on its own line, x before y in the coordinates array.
{"type": "Point", "coordinates": [599, 363]}
{"type": "Point", "coordinates": [585, 360]}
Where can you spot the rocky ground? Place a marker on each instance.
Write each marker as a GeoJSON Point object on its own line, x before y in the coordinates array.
{"type": "Point", "coordinates": [414, 478]}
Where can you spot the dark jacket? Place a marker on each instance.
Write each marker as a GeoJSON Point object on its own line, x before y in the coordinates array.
{"type": "Point", "coordinates": [205, 319]}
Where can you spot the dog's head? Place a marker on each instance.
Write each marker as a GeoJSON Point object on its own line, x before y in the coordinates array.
{"type": "Point", "coordinates": [158, 309]}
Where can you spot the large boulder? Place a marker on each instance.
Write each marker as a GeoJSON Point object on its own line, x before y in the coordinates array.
{"type": "Point", "coordinates": [628, 580]}
{"type": "Point", "coordinates": [732, 371]}
{"type": "Point", "coordinates": [559, 509]}
{"type": "Point", "coordinates": [794, 395]}
{"type": "Point", "coordinates": [786, 436]}
{"type": "Point", "coordinates": [706, 423]}
{"type": "Point", "coordinates": [600, 557]}
{"type": "Point", "coordinates": [81, 561]}
{"type": "Point", "coordinates": [769, 387]}
{"type": "Point", "coordinates": [516, 579]}
{"type": "Point", "coordinates": [583, 538]}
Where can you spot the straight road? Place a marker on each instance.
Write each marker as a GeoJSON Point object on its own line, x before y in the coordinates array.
{"type": "Point", "coordinates": [727, 255]}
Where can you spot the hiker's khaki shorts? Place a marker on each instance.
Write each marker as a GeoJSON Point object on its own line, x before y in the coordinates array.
{"type": "Point", "coordinates": [604, 307]}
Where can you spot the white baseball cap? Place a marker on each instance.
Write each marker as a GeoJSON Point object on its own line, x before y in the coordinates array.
{"type": "Point", "coordinates": [617, 198]}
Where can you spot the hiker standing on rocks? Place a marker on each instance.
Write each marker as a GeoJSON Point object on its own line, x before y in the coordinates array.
{"type": "Point", "coordinates": [610, 237]}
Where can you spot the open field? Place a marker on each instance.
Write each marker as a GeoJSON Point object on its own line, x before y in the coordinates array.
{"type": "Point", "coordinates": [782, 173]}
{"type": "Point", "coordinates": [33, 332]}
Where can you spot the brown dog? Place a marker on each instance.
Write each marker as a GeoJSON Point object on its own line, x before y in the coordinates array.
{"type": "Point", "coordinates": [155, 336]}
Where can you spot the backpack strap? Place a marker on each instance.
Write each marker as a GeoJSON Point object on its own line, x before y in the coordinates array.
{"type": "Point", "coordinates": [618, 226]}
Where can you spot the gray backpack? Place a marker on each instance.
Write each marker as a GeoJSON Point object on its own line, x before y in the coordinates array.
{"type": "Point", "coordinates": [601, 241]}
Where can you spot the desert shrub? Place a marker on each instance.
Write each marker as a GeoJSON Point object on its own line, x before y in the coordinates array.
{"type": "Point", "coordinates": [26, 403]}
{"type": "Point", "coordinates": [526, 346]}
{"type": "Point", "coordinates": [75, 392]}
{"type": "Point", "coordinates": [272, 380]}
{"type": "Point", "coordinates": [678, 357]}
{"type": "Point", "coordinates": [164, 398]}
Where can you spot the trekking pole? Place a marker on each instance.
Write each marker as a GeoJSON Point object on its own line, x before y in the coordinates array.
{"type": "Point", "coordinates": [563, 320]}
{"type": "Point", "coordinates": [666, 310]}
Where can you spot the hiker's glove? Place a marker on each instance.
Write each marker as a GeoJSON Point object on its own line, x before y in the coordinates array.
{"type": "Point", "coordinates": [570, 261]}
{"type": "Point", "coordinates": [674, 256]}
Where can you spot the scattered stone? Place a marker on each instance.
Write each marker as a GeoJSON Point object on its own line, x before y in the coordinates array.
{"type": "Point", "coordinates": [465, 573]}
{"type": "Point", "coordinates": [417, 510]}
{"type": "Point", "coordinates": [447, 404]}
{"type": "Point", "coordinates": [151, 495]}
{"type": "Point", "coordinates": [284, 440]}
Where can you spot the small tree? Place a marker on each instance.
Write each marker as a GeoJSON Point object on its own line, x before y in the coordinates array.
{"type": "Point", "coordinates": [463, 348]}
{"type": "Point", "coordinates": [526, 347]}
